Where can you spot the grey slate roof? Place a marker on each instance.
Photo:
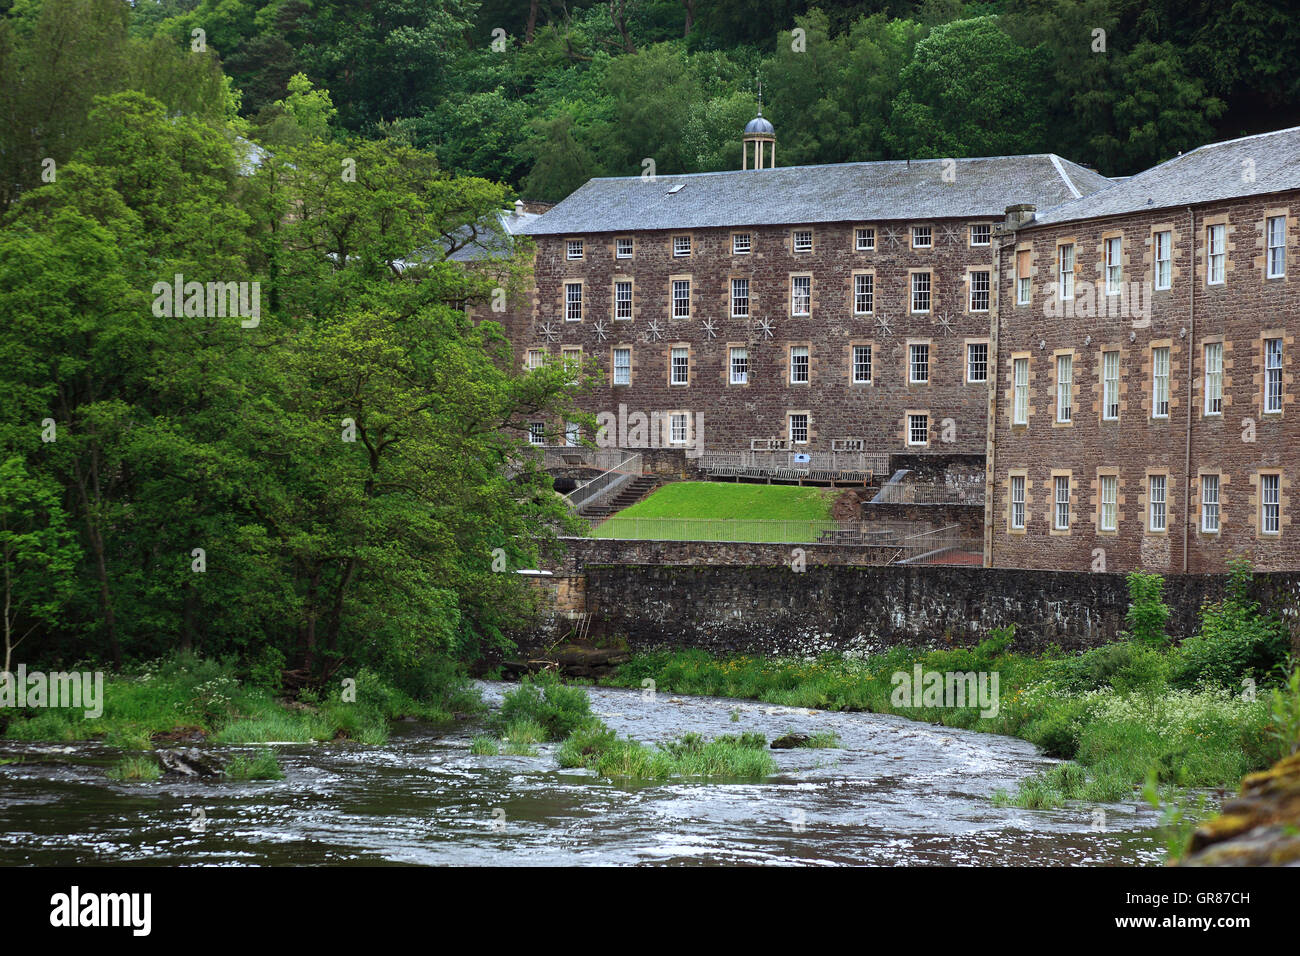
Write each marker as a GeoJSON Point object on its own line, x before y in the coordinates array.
{"type": "Point", "coordinates": [492, 244]}
{"type": "Point", "coordinates": [848, 192]}
{"type": "Point", "coordinates": [1205, 174]}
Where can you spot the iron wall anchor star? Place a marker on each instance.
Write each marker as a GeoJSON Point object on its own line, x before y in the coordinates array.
{"type": "Point", "coordinates": [709, 330]}
{"type": "Point", "coordinates": [882, 323]}
{"type": "Point", "coordinates": [549, 331]}
{"type": "Point", "coordinates": [601, 332]}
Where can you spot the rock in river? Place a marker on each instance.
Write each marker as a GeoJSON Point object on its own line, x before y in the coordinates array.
{"type": "Point", "coordinates": [189, 762]}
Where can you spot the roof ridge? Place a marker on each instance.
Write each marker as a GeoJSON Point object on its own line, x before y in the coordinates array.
{"type": "Point", "coordinates": [856, 162]}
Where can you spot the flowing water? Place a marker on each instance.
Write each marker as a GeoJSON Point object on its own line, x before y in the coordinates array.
{"type": "Point", "coordinates": [895, 792]}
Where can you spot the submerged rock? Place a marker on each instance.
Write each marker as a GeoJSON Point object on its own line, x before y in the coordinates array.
{"type": "Point", "coordinates": [189, 762]}
{"type": "Point", "coordinates": [1259, 828]}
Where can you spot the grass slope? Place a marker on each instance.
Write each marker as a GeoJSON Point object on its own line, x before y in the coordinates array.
{"type": "Point", "coordinates": [714, 511]}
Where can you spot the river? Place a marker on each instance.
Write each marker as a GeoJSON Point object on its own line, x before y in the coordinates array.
{"type": "Point", "coordinates": [896, 792]}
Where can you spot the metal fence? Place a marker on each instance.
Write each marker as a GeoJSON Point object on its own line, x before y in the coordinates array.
{"type": "Point", "coordinates": [793, 465]}
{"type": "Point", "coordinates": [929, 493]}
{"type": "Point", "coordinates": [579, 456]}
{"type": "Point", "coordinates": [606, 483]}
{"type": "Point", "coordinates": [912, 539]}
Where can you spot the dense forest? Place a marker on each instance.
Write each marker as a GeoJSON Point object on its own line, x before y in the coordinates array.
{"type": "Point", "coordinates": [327, 484]}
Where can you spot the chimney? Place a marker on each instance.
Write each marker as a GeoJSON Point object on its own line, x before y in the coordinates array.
{"type": "Point", "coordinates": [519, 207]}
{"type": "Point", "coordinates": [1018, 215]}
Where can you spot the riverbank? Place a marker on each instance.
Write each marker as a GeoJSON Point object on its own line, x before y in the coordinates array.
{"type": "Point", "coordinates": [1125, 715]}
{"type": "Point", "coordinates": [187, 699]}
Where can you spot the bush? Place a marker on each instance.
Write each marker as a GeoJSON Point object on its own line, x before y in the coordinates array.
{"type": "Point", "coordinates": [558, 709]}
{"type": "Point", "coordinates": [261, 766]}
{"type": "Point", "coordinates": [1235, 641]}
{"type": "Point", "coordinates": [1148, 614]}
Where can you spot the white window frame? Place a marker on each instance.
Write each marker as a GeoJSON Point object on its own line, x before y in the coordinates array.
{"type": "Point", "coordinates": [738, 365]}
{"type": "Point", "coordinates": [1213, 378]}
{"type": "Point", "coordinates": [1160, 382]}
{"type": "Point", "coordinates": [800, 364]}
{"type": "Point", "coordinates": [805, 427]}
{"type": "Point", "coordinates": [742, 243]}
{"type": "Point", "coordinates": [573, 248]}
{"type": "Point", "coordinates": [1065, 270]}
{"type": "Point", "coordinates": [921, 286]}
{"type": "Point", "coordinates": [797, 298]}
{"type": "Point", "coordinates": [681, 246]}
{"type": "Point", "coordinates": [537, 433]}
{"type": "Point", "coordinates": [922, 237]}
{"type": "Point", "coordinates": [1114, 265]}
{"type": "Point", "coordinates": [1210, 486]}
{"type": "Point", "coordinates": [988, 234]}
{"type": "Point", "coordinates": [1157, 503]}
{"type": "Point", "coordinates": [1020, 391]}
{"type": "Point", "coordinates": [681, 303]}
{"type": "Point", "coordinates": [534, 359]}
{"type": "Point", "coordinates": [801, 241]}
{"type": "Point", "coordinates": [913, 418]}
{"type": "Point", "coordinates": [1164, 259]}
{"type": "Point", "coordinates": [1018, 502]}
{"type": "Point", "coordinates": [1024, 282]}
{"type": "Point", "coordinates": [971, 363]}
{"type": "Point", "coordinates": [1273, 383]}
{"type": "Point", "coordinates": [624, 252]}
{"type": "Point", "coordinates": [1270, 504]}
{"type": "Point", "coordinates": [1110, 385]}
{"type": "Point", "coordinates": [571, 300]}
{"type": "Point", "coordinates": [864, 293]}
{"type": "Point", "coordinates": [918, 360]}
{"type": "Point", "coordinates": [739, 300]}
{"type": "Point", "coordinates": [623, 367]}
{"type": "Point", "coordinates": [683, 367]}
{"type": "Point", "coordinates": [864, 239]}
{"type": "Point", "coordinates": [980, 278]}
{"type": "Point", "coordinates": [1275, 247]}
{"type": "Point", "coordinates": [1216, 255]}
{"type": "Point", "coordinates": [1108, 491]}
{"type": "Point", "coordinates": [1064, 389]}
{"type": "Point", "coordinates": [859, 365]}
{"type": "Point", "coordinates": [1060, 502]}
{"type": "Point", "coordinates": [621, 285]}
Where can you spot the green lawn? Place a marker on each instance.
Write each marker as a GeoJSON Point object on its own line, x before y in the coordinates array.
{"type": "Point", "coordinates": [713, 511]}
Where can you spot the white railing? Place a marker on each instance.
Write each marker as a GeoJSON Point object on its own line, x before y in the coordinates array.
{"type": "Point", "coordinates": [929, 493]}
{"type": "Point", "coordinates": [788, 463]}
{"type": "Point", "coordinates": [605, 483]}
{"type": "Point", "coordinates": [579, 456]}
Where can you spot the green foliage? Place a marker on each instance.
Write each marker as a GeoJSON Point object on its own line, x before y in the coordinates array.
{"type": "Point", "coordinates": [1147, 613]}
{"type": "Point", "coordinates": [135, 768]}
{"type": "Point", "coordinates": [1284, 708]}
{"type": "Point", "coordinates": [556, 708]}
{"type": "Point", "coordinates": [1236, 641]}
{"type": "Point", "coordinates": [262, 765]}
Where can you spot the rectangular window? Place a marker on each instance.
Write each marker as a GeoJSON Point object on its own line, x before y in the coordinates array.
{"type": "Point", "coordinates": [1214, 378]}
{"type": "Point", "coordinates": [739, 365]}
{"type": "Point", "coordinates": [678, 423]}
{"type": "Point", "coordinates": [920, 292]}
{"type": "Point", "coordinates": [979, 291]}
{"type": "Point", "coordinates": [1022, 276]}
{"type": "Point", "coordinates": [1109, 502]}
{"type": "Point", "coordinates": [1110, 386]}
{"type": "Point", "coordinates": [862, 364]}
{"type": "Point", "coordinates": [1210, 504]}
{"type": "Point", "coordinates": [622, 366]}
{"type": "Point", "coordinates": [1270, 504]}
{"type": "Point", "coordinates": [864, 239]}
{"type": "Point", "coordinates": [1064, 383]}
{"type": "Point", "coordinates": [739, 298]}
{"type": "Point", "coordinates": [1217, 256]}
{"type": "Point", "coordinates": [1164, 259]}
{"type": "Point", "coordinates": [1156, 503]}
{"type": "Point", "coordinates": [1160, 382]}
{"type": "Point", "coordinates": [574, 247]}
{"type": "Point", "coordinates": [573, 301]}
{"type": "Point", "coordinates": [1114, 265]}
{"type": "Point", "coordinates": [918, 366]}
{"type": "Point", "coordinates": [681, 298]}
{"type": "Point", "coordinates": [1061, 520]}
{"type": "Point", "coordinates": [918, 429]}
{"type": "Point", "coordinates": [1020, 400]}
{"type": "Point", "coordinates": [741, 244]}
{"type": "Point", "coordinates": [803, 240]}
{"type": "Point", "coordinates": [537, 433]}
{"type": "Point", "coordinates": [572, 434]}
{"type": "Point", "coordinates": [864, 294]}
{"type": "Point", "coordinates": [536, 359]}
{"type": "Point", "coordinates": [1065, 271]}
{"type": "Point", "coordinates": [921, 237]}
{"type": "Point", "coordinates": [799, 429]}
{"type": "Point", "coordinates": [1275, 229]}
{"type": "Point", "coordinates": [799, 365]}
{"type": "Point", "coordinates": [573, 359]}
{"type": "Point", "coordinates": [1272, 375]}
{"type": "Point", "coordinates": [980, 234]}
{"type": "Point", "coordinates": [681, 245]}
{"type": "Point", "coordinates": [622, 300]}
{"type": "Point", "coordinates": [1018, 501]}
{"type": "Point", "coordinates": [801, 295]}
{"type": "Point", "coordinates": [681, 366]}
{"type": "Point", "coordinates": [622, 248]}
{"type": "Point", "coordinates": [977, 362]}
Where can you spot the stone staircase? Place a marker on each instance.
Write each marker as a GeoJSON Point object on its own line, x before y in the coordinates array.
{"type": "Point", "coordinates": [625, 497]}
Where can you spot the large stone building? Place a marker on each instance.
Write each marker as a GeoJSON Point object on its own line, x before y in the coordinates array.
{"type": "Point", "coordinates": [1145, 410]}
{"type": "Point", "coordinates": [810, 309]}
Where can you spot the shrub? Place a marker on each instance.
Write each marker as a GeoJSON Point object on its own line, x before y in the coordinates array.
{"type": "Point", "coordinates": [1235, 641]}
{"type": "Point", "coordinates": [135, 768]}
{"type": "Point", "coordinates": [1148, 614]}
{"type": "Point", "coordinates": [261, 766]}
{"type": "Point", "coordinates": [559, 710]}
